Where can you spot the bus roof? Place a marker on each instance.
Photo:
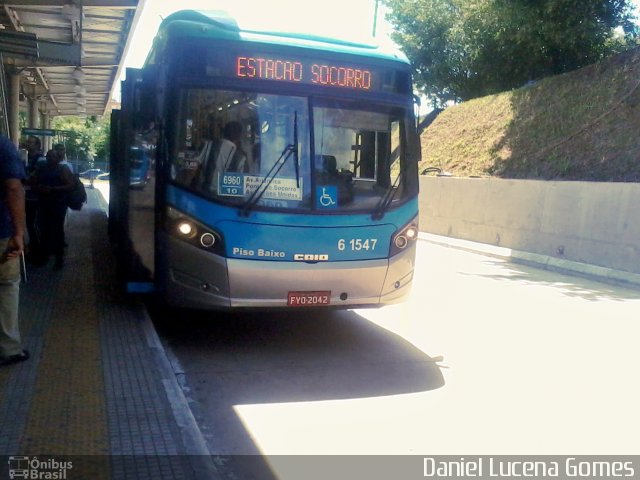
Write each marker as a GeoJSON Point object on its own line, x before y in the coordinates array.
{"type": "Point", "coordinates": [220, 25]}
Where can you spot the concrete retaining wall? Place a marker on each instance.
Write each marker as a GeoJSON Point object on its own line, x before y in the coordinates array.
{"type": "Point", "coordinates": [586, 222]}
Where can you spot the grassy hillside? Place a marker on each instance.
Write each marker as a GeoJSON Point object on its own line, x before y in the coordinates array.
{"type": "Point", "coordinates": [583, 125]}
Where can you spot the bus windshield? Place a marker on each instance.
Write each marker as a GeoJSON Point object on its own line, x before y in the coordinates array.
{"type": "Point", "coordinates": [297, 152]}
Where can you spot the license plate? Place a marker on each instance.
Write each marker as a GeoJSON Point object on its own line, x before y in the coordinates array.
{"type": "Point", "coordinates": [308, 299]}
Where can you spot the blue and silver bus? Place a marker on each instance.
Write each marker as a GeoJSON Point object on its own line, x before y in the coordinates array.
{"type": "Point", "coordinates": [285, 170]}
{"type": "Point", "coordinates": [139, 167]}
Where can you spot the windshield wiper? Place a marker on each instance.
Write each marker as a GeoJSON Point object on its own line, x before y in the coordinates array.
{"type": "Point", "coordinates": [387, 198]}
{"type": "Point", "coordinates": [288, 151]}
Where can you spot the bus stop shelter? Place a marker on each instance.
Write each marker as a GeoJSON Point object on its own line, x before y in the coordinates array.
{"type": "Point", "coordinates": [61, 57]}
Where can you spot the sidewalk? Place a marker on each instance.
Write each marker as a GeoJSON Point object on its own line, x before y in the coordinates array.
{"type": "Point", "coordinates": [546, 262]}
{"type": "Point", "coordinates": [98, 389]}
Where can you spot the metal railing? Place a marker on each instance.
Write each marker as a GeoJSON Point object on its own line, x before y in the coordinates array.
{"type": "Point", "coordinates": [4, 114]}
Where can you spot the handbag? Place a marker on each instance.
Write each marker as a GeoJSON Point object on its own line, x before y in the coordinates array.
{"type": "Point", "coordinates": [78, 196]}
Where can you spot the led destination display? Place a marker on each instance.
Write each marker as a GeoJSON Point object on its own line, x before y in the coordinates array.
{"type": "Point", "coordinates": [300, 71]}
{"type": "Point", "coordinates": [339, 72]}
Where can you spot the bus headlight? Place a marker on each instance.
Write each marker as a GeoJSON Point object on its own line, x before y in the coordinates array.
{"type": "Point", "coordinates": [186, 228]}
{"type": "Point", "coordinates": [404, 238]}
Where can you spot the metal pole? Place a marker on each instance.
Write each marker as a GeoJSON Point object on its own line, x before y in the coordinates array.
{"type": "Point", "coordinates": [375, 18]}
{"type": "Point", "coordinates": [14, 107]}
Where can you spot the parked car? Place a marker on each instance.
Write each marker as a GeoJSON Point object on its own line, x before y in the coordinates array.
{"type": "Point", "coordinates": [91, 174]}
{"type": "Point", "coordinates": [103, 176]}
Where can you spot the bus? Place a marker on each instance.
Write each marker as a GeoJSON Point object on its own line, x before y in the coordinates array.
{"type": "Point", "coordinates": [139, 167]}
{"type": "Point", "coordinates": [285, 170]}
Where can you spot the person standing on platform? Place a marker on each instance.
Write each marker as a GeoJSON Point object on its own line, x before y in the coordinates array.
{"type": "Point", "coordinates": [53, 183]}
{"type": "Point", "coordinates": [12, 226]}
{"type": "Point", "coordinates": [62, 153]}
{"type": "Point", "coordinates": [35, 159]}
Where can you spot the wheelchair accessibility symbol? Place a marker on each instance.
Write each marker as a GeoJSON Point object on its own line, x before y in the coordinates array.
{"type": "Point", "coordinates": [326, 197]}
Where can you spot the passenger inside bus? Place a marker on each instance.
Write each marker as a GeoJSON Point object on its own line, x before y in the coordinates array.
{"type": "Point", "coordinates": [224, 155]}
{"type": "Point", "coordinates": [330, 175]}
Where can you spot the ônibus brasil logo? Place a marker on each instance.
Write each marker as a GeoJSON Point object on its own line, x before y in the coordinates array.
{"type": "Point", "coordinates": [37, 469]}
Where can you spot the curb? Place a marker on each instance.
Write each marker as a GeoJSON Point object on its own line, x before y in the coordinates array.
{"type": "Point", "coordinates": [545, 262]}
{"type": "Point", "coordinates": [193, 440]}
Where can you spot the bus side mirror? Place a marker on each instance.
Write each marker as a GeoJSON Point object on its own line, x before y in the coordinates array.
{"type": "Point", "coordinates": [416, 110]}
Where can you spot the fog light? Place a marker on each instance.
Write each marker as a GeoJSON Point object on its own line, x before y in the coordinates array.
{"type": "Point", "coordinates": [207, 240]}
{"type": "Point", "coordinates": [411, 233]}
{"type": "Point", "coordinates": [401, 241]}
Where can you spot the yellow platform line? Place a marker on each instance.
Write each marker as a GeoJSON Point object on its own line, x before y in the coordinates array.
{"type": "Point", "coordinates": [68, 412]}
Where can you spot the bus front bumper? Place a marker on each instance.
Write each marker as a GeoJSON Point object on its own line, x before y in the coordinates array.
{"type": "Point", "coordinates": [198, 279]}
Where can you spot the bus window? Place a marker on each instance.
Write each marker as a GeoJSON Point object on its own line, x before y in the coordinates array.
{"type": "Point", "coordinates": [368, 148]}
{"type": "Point", "coordinates": [229, 142]}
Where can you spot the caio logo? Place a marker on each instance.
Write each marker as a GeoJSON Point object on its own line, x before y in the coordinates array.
{"type": "Point", "coordinates": [311, 257]}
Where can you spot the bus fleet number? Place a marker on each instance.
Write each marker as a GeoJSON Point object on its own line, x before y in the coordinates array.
{"type": "Point", "coordinates": [357, 244]}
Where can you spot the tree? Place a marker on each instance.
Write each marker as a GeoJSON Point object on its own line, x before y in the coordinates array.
{"type": "Point", "coordinates": [87, 138]}
{"type": "Point", "coordinates": [462, 49]}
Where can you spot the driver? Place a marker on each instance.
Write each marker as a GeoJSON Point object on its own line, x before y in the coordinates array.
{"type": "Point", "coordinates": [225, 155]}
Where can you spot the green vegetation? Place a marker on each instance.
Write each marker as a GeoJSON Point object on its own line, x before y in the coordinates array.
{"type": "Point", "coordinates": [88, 138]}
{"type": "Point", "coordinates": [465, 49]}
{"type": "Point", "coordinates": [582, 125]}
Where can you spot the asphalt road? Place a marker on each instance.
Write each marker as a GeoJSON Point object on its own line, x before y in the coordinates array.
{"type": "Point", "coordinates": [533, 363]}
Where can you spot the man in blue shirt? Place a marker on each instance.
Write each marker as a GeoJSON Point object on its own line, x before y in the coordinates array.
{"type": "Point", "coordinates": [12, 224]}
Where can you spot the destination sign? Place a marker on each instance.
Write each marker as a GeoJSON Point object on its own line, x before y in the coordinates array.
{"type": "Point", "coordinates": [288, 70]}
{"type": "Point", "coordinates": [335, 71]}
